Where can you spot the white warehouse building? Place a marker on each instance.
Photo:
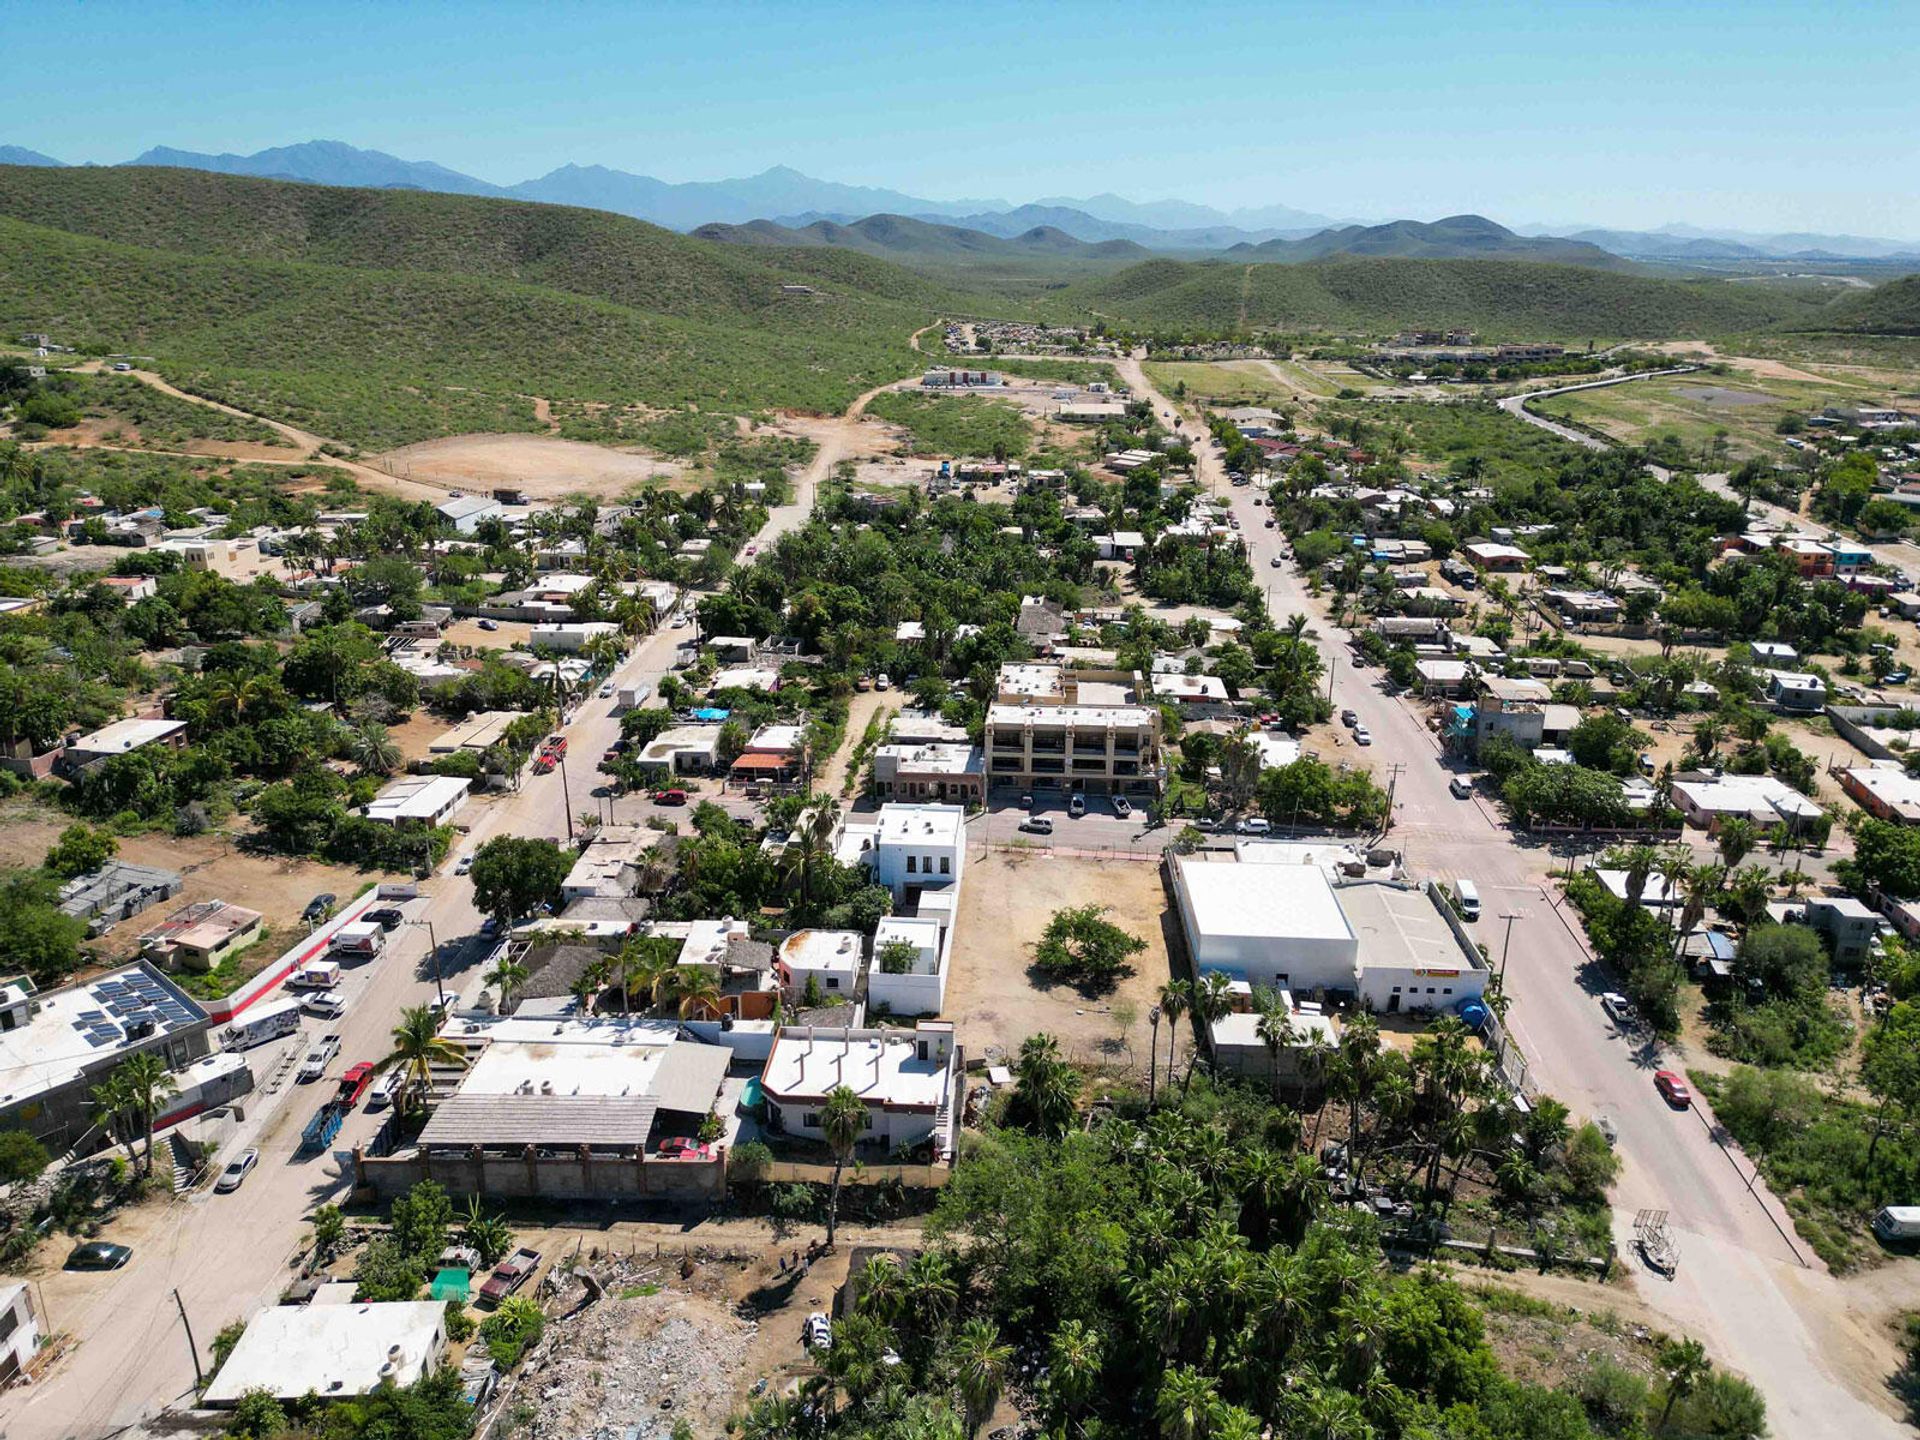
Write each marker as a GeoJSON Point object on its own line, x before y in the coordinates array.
{"type": "Point", "coordinates": [1394, 946]}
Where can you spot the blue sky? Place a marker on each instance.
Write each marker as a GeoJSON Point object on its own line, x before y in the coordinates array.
{"type": "Point", "coordinates": [1762, 116]}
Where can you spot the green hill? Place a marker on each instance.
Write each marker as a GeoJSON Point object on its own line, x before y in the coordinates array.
{"type": "Point", "coordinates": [1500, 298]}
{"type": "Point", "coordinates": [1889, 309]}
{"type": "Point", "coordinates": [1458, 237]}
{"type": "Point", "coordinates": [379, 317]}
{"type": "Point", "coordinates": [899, 237]}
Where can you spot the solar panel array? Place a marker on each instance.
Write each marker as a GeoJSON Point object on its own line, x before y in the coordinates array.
{"type": "Point", "coordinates": [126, 1000]}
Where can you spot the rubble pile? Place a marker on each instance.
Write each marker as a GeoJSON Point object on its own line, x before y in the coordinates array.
{"type": "Point", "coordinates": [631, 1364]}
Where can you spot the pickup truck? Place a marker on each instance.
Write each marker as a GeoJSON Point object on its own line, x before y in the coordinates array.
{"type": "Point", "coordinates": [509, 1275]}
{"type": "Point", "coordinates": [319, 1057]}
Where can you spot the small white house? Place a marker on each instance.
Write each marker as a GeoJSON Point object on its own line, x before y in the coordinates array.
{"type": "Point", "coordinates": [918, 847]}
{"type": "Point", "coordinates": [905, 1079]}
{"type": "Point", "coordinates": [419, 800]}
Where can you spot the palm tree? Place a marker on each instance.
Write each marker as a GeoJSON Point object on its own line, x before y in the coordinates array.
{"type": "Point", "coordinates": [509, 974]}
{"type": "Point", "coordinates": [980, 1360]}
{"type": "Point", "coordinates": [148, 1082]}
{"type": "Point", "coordinates": [695, 989]}
{"type": "Point", "coordinates": [1176, 998]}
{"type": "Point", "coordinates": [1276, 1032]}
{"type": "Point", "coordinates": [1686, 1364]}
{"type": "Point", "coordinates": [113, 1106]}
{"type": "Point", "coordinates": [842, 1120]}
{"type": "Point", "coordinates": [881, 1287]}
{"type": "Point", "coordinates": [1737, 838]}
{"type": "Point", "coordinates": [641, 965]}
{"type": "Point", "coordinates": [1073, 1366]}
{"type": "Point", "coordinates": [417, 1048]}
{"type": "Point", "coordinates": [808, 845]}
{"type": "Point", "coordinates": [1186, 1401]}
{"type": "Point", "coordinates": [373, 749]}
{"type": "Point", "coordinates": [1048, 1088]}
{"type": "Point", "coordinates": [929, 1293]}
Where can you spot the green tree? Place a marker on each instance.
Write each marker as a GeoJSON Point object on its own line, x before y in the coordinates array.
{"type": "Point", "coordinates": [513, 876]}
{"type": "Point", "coordinates": [1684, 1364]}
{"type": "Point", "coordinates": [373, 748]}
{"type": "Point", "coordinates": [980, 1359]}
{"type": "Point", "coordinates": [80, 850]}
{"type": "Point", "coordinates": [329, 1229]}
{"type": "Point", "coordinates": [149, 1084]}
{"type": "Point", "coordinates": [21, 1157]}
{"type": "Point", "coordinates": [1047, 1089]}
{"type": "Point", "coordinates": [1084, 948]}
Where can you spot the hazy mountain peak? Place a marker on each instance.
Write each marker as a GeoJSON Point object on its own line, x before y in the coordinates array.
{"type": "Point", "coordinates": [20, 155]}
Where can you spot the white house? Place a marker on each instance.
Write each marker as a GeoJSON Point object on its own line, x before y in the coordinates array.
{"type": "Point", "coordinates": [331, 1351]}
{"type": "Point", "coordinates": [922, 988]}
{"type": "Point", "coordinates": [917, 847]}
{"type": "Point", "coordinates": [906, 1080]}
{"type": "Point", "coordinates": [466, 512]}
{"type": "Point", "coordinates": [830, 959]}
{"type": "Point", "coordinates": [419, 800]}
{"type": "Point", "coordinates": [574, 635]}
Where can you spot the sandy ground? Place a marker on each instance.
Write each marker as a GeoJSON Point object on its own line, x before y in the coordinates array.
{"type": "Point", "coordinates": [211, 867]}
{"type": "Point", "coordinates": [112, 433]}
{"type": "Point", "coordinates": [544, 466]}
{"type": "Point", "coordinates": [1009, 896]}
{"type": "Point", "coordinates": [860, 712]}
{"type": "Point", "coordinates": [1752, 365]}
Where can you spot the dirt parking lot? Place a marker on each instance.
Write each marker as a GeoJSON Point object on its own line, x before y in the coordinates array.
{"type": "Point", "coordinates": [1008, 898]}
{"type": "Point", "coordinates": [544, 466]}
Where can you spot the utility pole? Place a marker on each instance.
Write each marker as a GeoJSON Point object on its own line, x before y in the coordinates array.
{"type": "Point", "coordinates": [433, 941]}
{"type": "Point", "coordinates": [1393, 783]}
{"type": "Point", "coordinates": [1509, 916]}
{"type": "Point", "coordinates": [566, 799]}
{"type": "Point", "coordinates": [1333, 664]}
{"type": "Point", "coordinates": [199, 1379]}
{"type": "Point", "coordinates": [1153, 1053]}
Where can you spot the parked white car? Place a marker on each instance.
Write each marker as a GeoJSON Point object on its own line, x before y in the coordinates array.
{"type": "Point", "coordinates": [326, 1004]}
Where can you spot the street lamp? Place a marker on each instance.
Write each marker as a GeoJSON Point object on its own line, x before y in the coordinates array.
{"type": "Point", "coordinates": [1509, 916]}
{"type": "Point", "coordinates": [434, 942]}
{"type": "Point", "coordinates": [566, 799]}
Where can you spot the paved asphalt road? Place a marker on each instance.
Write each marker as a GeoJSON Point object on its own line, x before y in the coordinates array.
{"type": "Point", "coordinates": [1741, 1285]}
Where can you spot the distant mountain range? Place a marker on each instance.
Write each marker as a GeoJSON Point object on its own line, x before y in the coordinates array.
{"type": "Point", "coordinates": [798, 202]}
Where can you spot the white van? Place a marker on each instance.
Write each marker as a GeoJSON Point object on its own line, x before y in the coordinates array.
{"type": "Point", "coordinates": [1468, 898]}
{"type": "Point", "coordinates": [1898, 1222]}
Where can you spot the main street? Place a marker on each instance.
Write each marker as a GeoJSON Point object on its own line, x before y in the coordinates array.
{"type": "Point", "coordinates": [1753, 1295]}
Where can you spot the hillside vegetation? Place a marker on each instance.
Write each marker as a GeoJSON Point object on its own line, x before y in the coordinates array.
{"type": "Point", "coordinates": [1501, 298]}
{"type": "Point", "coordinates": [1458, 237]}
{"type": "Point", "coordinates": [1890, 309]}
{"type": "Point", "coordinates": [381, 317]}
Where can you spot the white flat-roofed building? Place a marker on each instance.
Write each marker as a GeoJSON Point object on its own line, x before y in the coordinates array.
{"type": "Point", "coordinates": [1885, 790]}
{"type": "Point", "coordinates": [572, 635]}
{"type": "Point", "coordinates": [1707, 800]}
{"type": "Point", "coordinates": [1289, 926]}
{"type": "Point", "coordinates": [1282, 928]}
{"type": "Point", "coordinates": [419, 800]}
{"type": "Point", "coordinates": [476, 733]}
{"type": "Point", "coordinates": [1239, 1049]}
{"type": "Point", "coordinates": [1183, 689]}
{"type": "Point", "coordinates": [123, 737]}
{"type": "Point", "coordinates": [905, 1079]}
{"type": "Point", "coordinates": [1021, 683]}
{"type": "Point", "coordinates": [830, 959]}
{"type": "Point", "coordinates": [746, 677]}
{"type": "Point", "coordinates": [333, 1352]}
{"type": "Point", "coordinates": [610, 865]}
{"type": "Point", "coordinates": [466, 512]}
{"type": "Point", "coordinates": [917, 847]}
{"type": "Point", "coordinates": [708, 941]}
{"type": "Point", "coordinates": [1101, 748]}
{"type": "Point", "coordinates": [1276, 751]}
{"type": "Point", "coordinates": [930, 772]}
{"type": "Point", "coordinates": [683, 750]}
{"type": "Point", "coordinates": [921, 989]}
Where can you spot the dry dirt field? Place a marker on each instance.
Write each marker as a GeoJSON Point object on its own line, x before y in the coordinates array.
{"type": "Point", "coordinates": [211, 867]}
{"type": "Point", "coordinates": [544, 466]}
{"type": "Point", "coordinates": [1009, 896]}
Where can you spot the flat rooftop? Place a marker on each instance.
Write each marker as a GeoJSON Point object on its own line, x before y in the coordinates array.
{"type": "Point", "coordinates": [1401, 926]}
{"type": "Point", "coordinates": [1039, 682]}
{"type": "Point", "coordinates": [839, 951]}
{"type": "Point", "coordinates": [880, 1066]}
{"type": "Point", "coordinates": [1294, 901]}
{"type": "Point", "coordinates": [419, 797]}
{"type": "Point", "coordinates": [78, 1028]}
{"type": "Point", "coordinates": [476, 732]}
{"type": "Point", "coordinates": [911, 824]}
{"type": "Point", "coordinates": [932, 759]}
{"type": "Point", "coordinates": [124, 736]}
{"type": "Point", "coordinates": [331, 1350]}
{"type": "Point", "coordinates": [1060, 716]}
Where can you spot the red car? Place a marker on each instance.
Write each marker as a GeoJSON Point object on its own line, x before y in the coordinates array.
{"type": "Point", "coordinates": [669, 797]}
{"type": "Point", "coordinates": [678, 1147]}
{"type": "Point", "coordinates": [1672, 1089]}
{"type": "Point", "coordinates": [544, 765]}
{"type": "Point", "coordinates": [556, 746]}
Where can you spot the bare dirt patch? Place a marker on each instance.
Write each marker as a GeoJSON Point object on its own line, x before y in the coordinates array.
{"type": "Point", "coordinates": [544, 466]}
{"type": "Point", "coordinates": [210, 867]}
{"type": "Point", "coordinates": [1008, 898]}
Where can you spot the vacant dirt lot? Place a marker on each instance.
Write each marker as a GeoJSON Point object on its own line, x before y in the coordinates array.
{"type": "Point", "coordinates": [1008, 898]}
{"type": "Point", "coordinates": [211, 867]}
{"type": "Point", "coordinates": [544, 466]}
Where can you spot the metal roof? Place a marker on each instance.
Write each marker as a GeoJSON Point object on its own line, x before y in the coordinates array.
{"type": "Point", "coordinates": [690, 1076]}
{"type": "Point", "coordinates": [510, 1120]}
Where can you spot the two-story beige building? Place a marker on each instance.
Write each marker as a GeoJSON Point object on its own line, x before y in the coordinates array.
{"type": "Point", "coordinates": [1057, 728]}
